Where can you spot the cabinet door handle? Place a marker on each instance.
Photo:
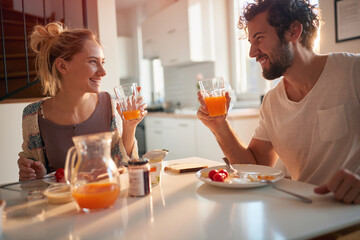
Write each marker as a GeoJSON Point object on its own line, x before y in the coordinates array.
{"type": "Point", "coordinates": [173, 60]}
{"type": "Point", "coordinates": [171, 31]}
{"type": "Point", "coordinates": [157, 122]}
{"type": "Point", "coordinates": [183, 125]}
{"type": "Point", "coordinates": [158, 132]}
{"type": "Point", "coordinates": [148, 41]}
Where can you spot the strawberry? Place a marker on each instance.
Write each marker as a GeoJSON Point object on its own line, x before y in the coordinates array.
{"type": "Point", "coordinates": [59, 175]}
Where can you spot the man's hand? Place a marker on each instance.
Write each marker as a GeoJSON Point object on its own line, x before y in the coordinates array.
{"type": "Point", "coordinates": [30, 169]}
{"type": "Point", "coordinates": [345, 185]}
{"type": "Point", "coordinates": [203, 113]}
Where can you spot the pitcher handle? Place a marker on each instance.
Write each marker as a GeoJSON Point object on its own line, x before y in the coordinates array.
{"type": "Point", "coordinates": [69, 164]}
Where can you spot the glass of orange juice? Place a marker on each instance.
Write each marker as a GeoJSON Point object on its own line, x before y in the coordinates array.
{"type": "Point", "coordinates": [127, 95]}
{"type": "Point", "coordinates": [213, 91]}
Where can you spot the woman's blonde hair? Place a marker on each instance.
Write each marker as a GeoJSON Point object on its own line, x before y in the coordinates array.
{"type": "Point", "coordinates": [51, 42]}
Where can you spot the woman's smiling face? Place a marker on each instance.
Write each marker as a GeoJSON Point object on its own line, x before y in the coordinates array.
{"type": "Point", "coordinates": [86, 68]}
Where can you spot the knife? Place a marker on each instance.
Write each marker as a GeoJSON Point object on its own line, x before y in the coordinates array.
{"type": "Point", "coordinates": [25, 181]}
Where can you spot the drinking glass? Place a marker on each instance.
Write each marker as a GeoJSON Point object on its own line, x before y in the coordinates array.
{"type": "Point", "coordinates": [213, 91]}
{"type": "Point", "coordinates": [127, 95]}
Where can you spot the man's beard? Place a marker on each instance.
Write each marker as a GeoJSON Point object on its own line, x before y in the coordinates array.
{"type": "Point", "coordinates": [280, 59]}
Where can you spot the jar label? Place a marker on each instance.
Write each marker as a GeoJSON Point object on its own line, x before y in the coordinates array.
{"type": "Point", "coordinates": [139, 182]}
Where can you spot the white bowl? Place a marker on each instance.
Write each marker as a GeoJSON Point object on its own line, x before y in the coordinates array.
{"type": "Point", "coordinates": [58, 194]}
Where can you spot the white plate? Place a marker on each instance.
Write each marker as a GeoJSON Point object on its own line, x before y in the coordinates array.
{"type": "Point", "coordinates": [243, 168]}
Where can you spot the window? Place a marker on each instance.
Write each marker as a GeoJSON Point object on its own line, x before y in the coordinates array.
{"type": "Point", "coordinates": [151, 75]}
{"type": "Point", "coordinates": [158, 81]}
{"type": "Point", "coordinates": [248, 82]}
{"type": "Point", "coordinates": [152, 82]}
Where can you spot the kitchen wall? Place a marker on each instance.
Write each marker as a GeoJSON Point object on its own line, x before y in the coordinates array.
{"type": "Point", "coordinates": [102, 20]}
{"type": "Point", "coordinates": [327, 35]}
{"type": "Point", "coordinates": [181, 83]}
{"type": "Point", "coordinates": [10, 140]}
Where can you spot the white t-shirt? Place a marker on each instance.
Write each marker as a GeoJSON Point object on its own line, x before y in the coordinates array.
{"type": "Point", "coordinates": [320, 134]}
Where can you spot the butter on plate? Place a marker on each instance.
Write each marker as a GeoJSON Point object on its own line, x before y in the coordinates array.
{"type": "Point", "coordinates": [184, 167]}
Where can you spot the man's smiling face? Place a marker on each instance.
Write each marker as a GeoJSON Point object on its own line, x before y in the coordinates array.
{"type": "Point", "coordinates": [273, 54]}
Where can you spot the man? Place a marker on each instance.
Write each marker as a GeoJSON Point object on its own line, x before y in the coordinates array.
{"type": "Point", "coordinates": [311, 119]}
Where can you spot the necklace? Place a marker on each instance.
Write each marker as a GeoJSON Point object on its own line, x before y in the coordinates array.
{"type": "Point", "coordinates": [42, 111]}
{"type": "Point", "coordinates": [76, 130]}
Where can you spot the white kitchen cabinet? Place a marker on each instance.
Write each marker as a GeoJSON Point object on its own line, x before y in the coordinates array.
{"type": "Point", "coordinates": [244, 127]}
{"type": "Point", "coordinates": [207, 146]}
{"type": "Point", "coordinates": [184, 138]}
{"type": "Point", "coordinates": [151, 35]}
{"type": "Point", "coordinates": [180, 34]}
{"type": "Point", "coordinates": [188, 137]}
{"type": "Point", "coordinates": [174, 134]}
{"type": "Point", "coordinates": [159, 133]}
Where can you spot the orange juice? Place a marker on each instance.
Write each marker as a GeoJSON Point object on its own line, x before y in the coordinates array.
{"type": "Point", "coordinates": [96, 195]}
{"type": "Point", "coordinates": [129, 115]}
{"type": "Point", "coordinates": [216, 105]}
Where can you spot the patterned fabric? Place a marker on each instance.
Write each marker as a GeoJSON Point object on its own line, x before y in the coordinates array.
{"type": "Point", "coordinates": [32, 147]}
{"type": "Point", "coordinates": [35, 141]}
{"type": "Point", "coordinates": [32, 109]}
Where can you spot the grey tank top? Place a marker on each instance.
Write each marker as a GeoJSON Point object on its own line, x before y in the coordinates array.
{"type": "Point", "coordinates": [57, 139]}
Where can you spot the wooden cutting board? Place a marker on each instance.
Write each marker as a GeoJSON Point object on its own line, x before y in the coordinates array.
{"type": "Point", "coordinates": [184, 167]}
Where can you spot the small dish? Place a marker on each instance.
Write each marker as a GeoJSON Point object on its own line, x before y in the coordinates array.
{"type": "Point", "coordinates": [58, 193]}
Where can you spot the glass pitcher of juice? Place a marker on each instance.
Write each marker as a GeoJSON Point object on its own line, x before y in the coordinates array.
{"type": "Point", "coordinates": [91, 173]}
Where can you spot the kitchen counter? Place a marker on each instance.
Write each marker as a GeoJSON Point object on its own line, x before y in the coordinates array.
{"type": "Point", "coordinates": [183, 207]}
{"type": "Point", "coordinates": [238, 113]}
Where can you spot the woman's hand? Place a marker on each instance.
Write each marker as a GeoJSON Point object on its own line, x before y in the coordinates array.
{"type": "Point", "coordinates": [134, 122]}
{"type": "Point", "coordinates": [129, 126]}
{"type": "Point", "coordinates": [30, 169]}
{"type": "Point", "coordinates": [203, 113]}
{"type": "Point", "coordinates": [345, 185]}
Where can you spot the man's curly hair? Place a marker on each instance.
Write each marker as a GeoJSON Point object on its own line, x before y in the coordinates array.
{"type": "Point", "coordinates": [282, 13]}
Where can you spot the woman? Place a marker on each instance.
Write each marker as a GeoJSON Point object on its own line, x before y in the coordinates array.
{"type": "Point", "coordinates": [69, 64]}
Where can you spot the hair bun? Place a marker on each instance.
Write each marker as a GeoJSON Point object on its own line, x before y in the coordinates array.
{"type": "Point", "coordinates": [54, 29]}
{"type": "Point", "coordinates": [43, 35]}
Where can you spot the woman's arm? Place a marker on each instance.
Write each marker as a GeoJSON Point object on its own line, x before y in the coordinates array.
{"type": "Point", "coordinates": [31, 161]}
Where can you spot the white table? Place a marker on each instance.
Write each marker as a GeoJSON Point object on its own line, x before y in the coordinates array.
{"type": "Point", "coordinates": [183, 207]}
